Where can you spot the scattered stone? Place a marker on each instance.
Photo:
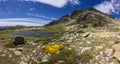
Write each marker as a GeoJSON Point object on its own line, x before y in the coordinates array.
{"type": "Point", "coordinates": [85, 34]}
{"type": "Point", "coordinates": [116, 47]}
{"type": "Point", "coordinates": [45, 58]}
{"type": "Point", "coordinates": [60, 62]}
{"type": "Point", "coordinates": [109, 52]}
{"type": "Point", "coordinates": [3, 55]}
{"type": "Point", "coordinates": [98, 47]}
{"type": "Point", "coordinates": [69, 41]}
{"type": "Point", "coordinates": [18, 53]}
{"type": "Point", "coordinates": [10, 56]}
{"type": "Point", "coordinates": [12, 49]}
{"type": "Point", "coordinates": [20, 47]}
{"type": "Point", "coordinates": [69, 48]}
{"type": "Point", "coordinates": [86, 49]}
{"type": "Point", "coordinates": [23, 58]}
{"type": "Point", "coordinates": [117, 55]}
{"type": "Point", "coordinates": [111, 42]}
{"type": "Point", "coordinates": [22, 62]}
{"type": "Point", "coordinates": [88, 42]}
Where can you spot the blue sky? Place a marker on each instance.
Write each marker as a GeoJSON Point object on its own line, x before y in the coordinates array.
{"type": "Point", "coordinates": [40, 12]}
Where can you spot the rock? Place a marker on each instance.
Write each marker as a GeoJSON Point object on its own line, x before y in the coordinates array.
{"type": "Point", "coordinates": [33, 43]}
{"type": "Point", "coordinates": [3, 55]}
{"type": "Point", "coordinates": [98, 47]}
{"type": "Point", "coordinates": [71, 38]}
{"type": "Point", "coordinates": [60, 62]}
{"type": "Point", "coordinates": [69, 41]}
{"type": "Point", "coordinates": [45, 58]}
{"type": "Point", "coordinates": [88, 42]}
{"type": "Point", "coordinates": [117, 55]}
{"type": "Point", "coordinates": [109, 52]}
{"type": "Point", "coordinates": [12, 49]}
{"type": "Point", "coordinates": [85, 34]}
{"type": "Point", "coordinates": [18, 53]}
{"type": "Point", "coordinates": [20, 47]}
{"type": "Point", "coordinates": [22, 62]}
{"type": "Point", "coordinates": [86, 49]}
{"type": "Point", "coordinates": [97, 57]}
{"type": "Point", "coordinates": [23, 58]}
{"type": "Point", "coordinates": [10, 56]}
{"type": "Point", "coordinates": [111, 42]}
{"type": "Point", "coordinates": [69, 48]}
{"type": "Point", "coordinates": [116, 47]}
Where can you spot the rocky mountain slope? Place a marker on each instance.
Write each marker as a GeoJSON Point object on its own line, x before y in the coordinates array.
{"type": "Point", "coordinates": [89, 17]}
{"type": "Point", "coordinates": [84, 37]}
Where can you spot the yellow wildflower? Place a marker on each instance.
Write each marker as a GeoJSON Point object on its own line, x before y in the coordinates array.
{"type": "Point", "coordinates": [53, 48]}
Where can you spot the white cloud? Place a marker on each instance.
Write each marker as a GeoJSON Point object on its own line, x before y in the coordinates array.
{"type": "Point", "coordinates": [7, 23]}
{"type": "Point", "coordinates": [56, 3]}
{"type": "Point", "coordinates": [41, 16]}
{"type": "Point", "coordinates": [22, 21]}
{"type": "Point", "coordinates": [109, 7]}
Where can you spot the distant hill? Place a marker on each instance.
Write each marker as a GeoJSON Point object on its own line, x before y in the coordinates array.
{"type": "Point", "coordinates": [88, 17]}
{"type": "Point", "coordinates": [11, 27]}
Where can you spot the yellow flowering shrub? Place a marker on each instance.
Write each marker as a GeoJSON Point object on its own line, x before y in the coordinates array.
{"type": "Point", "coordinates": [53, 48]}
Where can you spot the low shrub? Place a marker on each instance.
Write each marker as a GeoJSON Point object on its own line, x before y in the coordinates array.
{"type": "Point", "coordinates": [68, 56]}
{"type": "Point", "coordinates": [10, 45]}
{"type": "Point", "coordinates": [85, 57]}
{"type": "Point", "coordinates": [19, 41]}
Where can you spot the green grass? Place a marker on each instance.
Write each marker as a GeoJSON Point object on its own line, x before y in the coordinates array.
{"type": "Point", "coordinates": [68, 56]}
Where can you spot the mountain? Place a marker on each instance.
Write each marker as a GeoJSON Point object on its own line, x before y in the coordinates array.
{"type": "Point", "coordinates": [85, 18]}
{"type": "Point", "coordinates": [11, 27]}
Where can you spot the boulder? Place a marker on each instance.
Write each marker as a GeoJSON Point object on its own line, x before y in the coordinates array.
{"type": "Point", "coordinates": [22, 62]}
{"type": "Point", "coordinates": [86, 49]}
{"type": "Point", "coordinates": [19, 41]}
{"type": "Point", "coordinates": [109, 52]}
{"type": "Point", "coordinates": [18, 53]}
{"type": "Point", "coordinates": [85, 34]}
{"type": "Point", "coordinates": [98, 47]}
{"type": "Point", "coordinates": [117, 55]}
{"type": "Point", "coordinates": [116, 47]}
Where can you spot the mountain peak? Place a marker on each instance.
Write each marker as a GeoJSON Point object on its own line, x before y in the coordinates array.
{"type": "Point", "coordinates": [89, 17]}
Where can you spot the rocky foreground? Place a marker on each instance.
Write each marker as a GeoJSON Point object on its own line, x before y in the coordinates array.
{"type": "Point", "coordinates": [99, 47]}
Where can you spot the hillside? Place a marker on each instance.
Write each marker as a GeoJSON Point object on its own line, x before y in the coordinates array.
{"type": "Point", "coordinates": [84, 37]}
{"type": "Point", "coordinates": [89, 17]}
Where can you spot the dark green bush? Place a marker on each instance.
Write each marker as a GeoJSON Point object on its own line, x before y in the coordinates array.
{"type": "Point", "coordinates": [19, 41]}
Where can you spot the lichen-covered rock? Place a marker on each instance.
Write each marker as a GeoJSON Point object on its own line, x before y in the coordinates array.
{"type": "Point", "coordinates": [109, 52]}
{"type": "Point", "coordinates": [86, 49]}
{"type": "Point", "coordinates": [22, 62]}
{"type": "Point", "coordinates": [116, 47]}
{"type": "Point", "coordinates": [17, 53]}
{"type": "Point", "coordinates": [117, 55]}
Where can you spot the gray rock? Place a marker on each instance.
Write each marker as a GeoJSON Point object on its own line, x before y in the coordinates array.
{"type": "Point", "coordinates": [85, 34]}
{"type": "Point", "coordinates": [116, 47]}
{"type": "Point", "coordinates": [10, 56]}
{"type": "Point", "coordinates": [109, 52]}
{"type": "Point", "coordinates": [86, 49]}
{"type": "Point", "coordinates": [23, 58]}
{"type": "Point", "coordinates": [18, 53]}
{"type": "Point", "coordinates": [117, 55]}
{"type": "Point", "coordinates": [45, 58]}
{"type": "Point", "coordinates": [22, 62]}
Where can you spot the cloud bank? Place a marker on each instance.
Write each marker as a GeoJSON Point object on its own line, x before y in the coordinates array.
{"type": "Point", "coordinates": [56, 3]}
{"type": "Point", "coordinates": [109, 7]}
{"type": "Point", "coordinates": [22, 21]}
